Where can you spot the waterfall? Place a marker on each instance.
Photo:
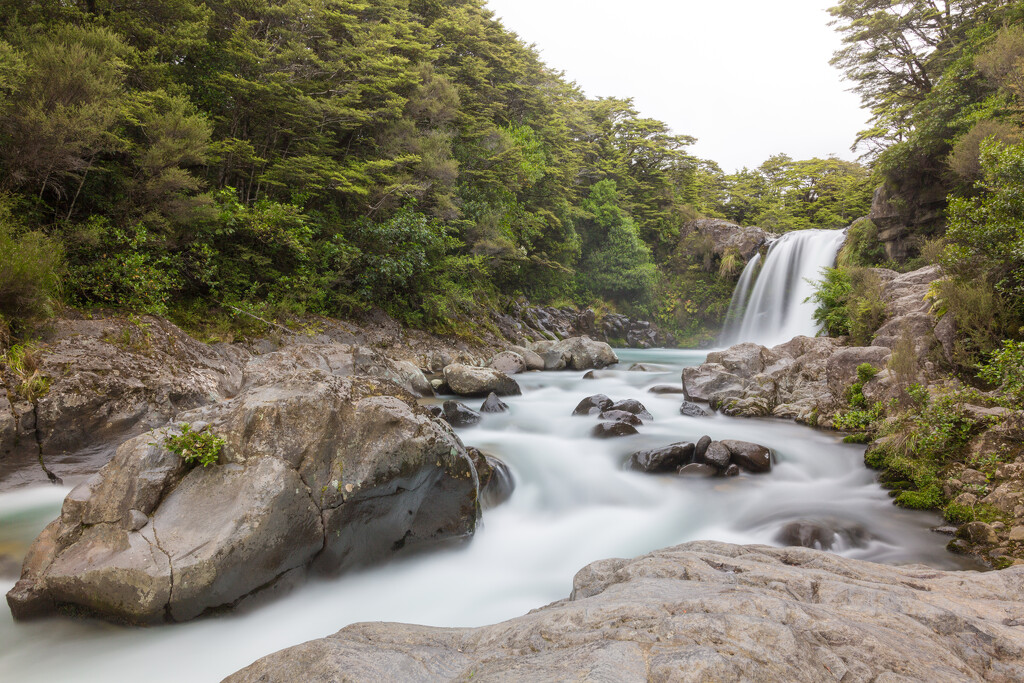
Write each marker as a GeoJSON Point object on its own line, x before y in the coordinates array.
{"type": "Point", "coordinates": [768, 306]}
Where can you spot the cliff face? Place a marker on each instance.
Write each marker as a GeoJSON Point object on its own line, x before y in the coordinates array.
{"type": "Point", "coordinates": [915, 210]}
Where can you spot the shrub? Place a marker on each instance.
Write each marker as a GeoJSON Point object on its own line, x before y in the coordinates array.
{"type": "Point", "coordinates": [31, 266]}
{"type": "Point", "coordinates": [832, 294]}
{"type": "Point", "coordinates": [195, 447]}
{"type": "Point", "coordinates": [862, 246]}
{"type": "Point", "coordinates": [1005, 369]}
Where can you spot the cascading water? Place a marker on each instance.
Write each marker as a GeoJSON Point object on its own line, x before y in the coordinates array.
{"type": "Point", "coordinates": [573, 504]}
{"type": "Point", "coordinates": [774, 309]}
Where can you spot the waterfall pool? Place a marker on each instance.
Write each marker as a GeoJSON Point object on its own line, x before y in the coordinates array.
{"type": "Point", "coordinates": [573, 504]}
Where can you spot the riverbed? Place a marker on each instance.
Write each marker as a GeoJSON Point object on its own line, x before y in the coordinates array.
{"type": "Point", "coordinates": [573, 504]}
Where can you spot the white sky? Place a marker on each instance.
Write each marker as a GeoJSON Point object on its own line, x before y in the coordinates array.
{"type": "Point", "coordinates": [748, 78]}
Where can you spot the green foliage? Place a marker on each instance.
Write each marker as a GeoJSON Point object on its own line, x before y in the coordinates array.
{"type": "Point", "coordinates": [31, 269]}
{"type": "Point", "coordinates": [22, 360]}
{"type": "Point", "coordinates": [195, 447]}
{"type": "Point", "coordinates": [1005, 369]}
{"type": "Point", "coordinates": [862, 246]}
{"type": "Point", "coordinates": [832, 295]}
{"type": "Point", "coordinates": [849, 302]}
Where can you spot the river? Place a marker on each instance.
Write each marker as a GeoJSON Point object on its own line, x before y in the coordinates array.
{"type": "Point", "coordinates": [573, 504]}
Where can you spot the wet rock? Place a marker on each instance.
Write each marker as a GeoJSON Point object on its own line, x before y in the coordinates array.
{"type": "Point", "coordinates": [612, 430]}
{"type": "Point", "coordinates": [700, 448]}
{"type": "Point", "coordinates": [624, 618]}
{"type": "Point", "coordinates": [698, 470]}
{"type": "Point", "coordinates": [665, 389]}
{"type": "Point", "coordinates": [583, 353]}
{"type": "Point", "coordinates": [466, 380]}
{"type": "Point", "coordinates": [531, 358]}
{"type": "Point", "coordinates": [978, 532]}
{"type": "Point", "coordinates": [649, 367]}
{"type": "Point", "coordinates": [590, 375]}
{"type": "Point", "coordinates": [493, 404]}
{"type": "Point", "coordinates": [553, 360]}
{"type": "Point", "coordinates": [751, 457]}
{"type": "Point", "coordinates": [692, 410]}
{"type": "Point", "coordinates": [717, 455]}
{"type": "Point", "coordinates": [823, 534]}
{"type": "Point", "coordinates": [508, 362]}
{"type": "Point", "coordinates": [460, 415]}
{"type": "Point", "coordinates": [666, 459]}
{"type": "Point", "coordinates": [731, 471]}
{"type": "Point", "coordinates": [593, 405]}
{"type": "Point", "coordinates": [311, 474]}
{"type": "Point", "coordinates": [496, 480]}
{"type": "Point", "coordinates": [631, 405]}
{"type": "Point", "coordinates": [621, 416]}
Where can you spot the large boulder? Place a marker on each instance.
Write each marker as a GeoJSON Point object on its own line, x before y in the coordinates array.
{"type": "Point", "coordinates": [317, 472]}
{"type": "Point", "coordinates": [508, 362]}
{"type": "Point", "coordinates": [466, 380]}
{"type": "Point", "coordinates": [583, 353]}
{"type": "Point", "coordinates": [531, 358]}
{"type": "Point", "coordinates": [706, 611]}
{"type": "Point", "coordinates": [726, 236]}
{"type": "Point", "coordinates": [666, 459]}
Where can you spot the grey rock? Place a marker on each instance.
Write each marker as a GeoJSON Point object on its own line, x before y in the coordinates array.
{"type": "Point", "coordinates": [631, 405]}
{"type": "Point", "coordinates": [698, 470]}
{"type": "Point", "coordinates": [593, 405]}
{"type": "Point", "coordinates": [621, 416]}
{"type": "Point", "coordinates": [701, 448]}
{"type": "Point", "coordinates": [531, 358]}
{"type": "Point", "coordinates": [717, 455]}
{"type": "Point", "coordinates": [553, 360]}
{"type": "Point", "coordinates": [612, 430]}
{"type": "Point", "coordinates": [583, 353]}
{"type": "Point", "coordinates": [508, 362]}
{"type": "Point", "coordinates": [318, 471]}
{"type": "Point", "coordinates": [493, 404]}
{"type": "Point", "coordinates": [496, 481]}
{"type": "Point", "coordinates": [824, 534]}
{"type": "Point", "coordinates": [667, 459]}
{"type": "Point", "coordinates": [706, 611]}
{"type": "Point", "coordinates": [751, 457]}
{"type": "Point", "coordinates": [459, 414]}
{"type": "Point", "coordinates": [692, 410]}
{"type": "Point", "coordinates": [665, 389]}
{"type": "Point", "coordinates": [466, 380]}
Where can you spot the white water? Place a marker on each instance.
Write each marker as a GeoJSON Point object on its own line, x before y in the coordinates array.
{"type": "Point", "coordinates": [573, 505]}
{"type": "Point", "coordinates": [776, 309]}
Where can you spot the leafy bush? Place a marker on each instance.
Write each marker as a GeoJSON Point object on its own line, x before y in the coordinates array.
{"type": "Point", "coordinates": [195, 447]}
{"type": "Point", "coordinates": [1005, 369]}
{"type": "Point", "coordinates": [832, 294]}
{"type": "Point", "coordinates": [862, 246]}
{"type": "Point", "coordinates": [31, 266]}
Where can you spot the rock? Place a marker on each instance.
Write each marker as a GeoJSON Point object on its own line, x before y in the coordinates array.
{"type": "Point", "coordinates": [750, 456]}
{"type": "Point", "coordinates": [824, 534]}
{"type": "Point", "coordinates": [611, 430]}
{"type": "Point", "coordinates": [649, 367]}
{"type": "Point", "coordinates": [973, 478]}
{"type": "Point", "coordinates": [630, 405]}
{"type": "Point", "coordinates": [841, 369]}
{"type": "Point", "coordinates": [553, 360]}
{"type": "Point", "coordinates": [412, 379]}
{"type": "Point", "coordinates": [716, 455]}
{"type": "Point", "coordinates": [621, 416]}
{"type": "Point", "coordinates": [460, 415]}
{"type": "Point", "coordinates": [583, 353]}
{"type": "Point", "coordinates": [692, 410]}
{"type": "Point", "coordinates": [665, 389]}
{"type": "Point", "coordinates": [508, 362]}
{"type": "Point", "coordinates": [731, 471]}
{"type": "Point", "coordinates": [590, 375]}
{"type": "Point", "coordinates": [593, 405]}
{"type": "Point", "coordinates": [317, 472]}
{"type": "Point", "coordinates": [532, 359]}
{"type": "Point", "coordinates": [493, 404]}
{"type": "Point", "coordinates": [1017, 534]}
{"type": "Point", "coordinates": [496, 480]}
{"type": "Point", "coordinates": [725, 235]}
{"type": "Point", "coordinates": [978, 532]}
{"type": "Point", "coordinates": [701, 448]}
{"type": "Point", "coordinates": [466, 380]}
{"type": "Point", "coordinates": [698, 470]}
{"type": "Point", "coordinates": [666, 459]}
{"type": "Point", "coordinates": [706, 611]}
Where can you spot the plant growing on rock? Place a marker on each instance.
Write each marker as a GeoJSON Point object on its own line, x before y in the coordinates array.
{"type": "Point", "coordinates": [1005, 369]}
{"type": "Point", "coordinates": [22, 360]}
{"type": "Point", "coordinates": [195, 447]}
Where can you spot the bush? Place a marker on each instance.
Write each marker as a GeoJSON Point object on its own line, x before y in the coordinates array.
{"type": "Point", "coordinates": [31, 266]}
{"type": "Point", "coordinates": [201, 447]}
{"type": "Point", "coordinates": [862, 247]}
{"type": "Point", "coordinates": [832, 294]}
{"type": "Point", "coordinates": [1005, 369]}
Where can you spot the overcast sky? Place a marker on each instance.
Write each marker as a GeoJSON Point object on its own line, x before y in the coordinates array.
{"type": "Point", "coordinates": [748, 78]}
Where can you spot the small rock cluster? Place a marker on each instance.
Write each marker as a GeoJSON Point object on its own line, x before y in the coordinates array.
{"type": "Point", "coordinates": [705, 458]}
{"type": "Point", "coordinates": [619, 418]}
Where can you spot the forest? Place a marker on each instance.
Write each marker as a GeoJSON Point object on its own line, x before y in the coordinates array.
{"type": "Point", "coordinates": [190, 158]}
